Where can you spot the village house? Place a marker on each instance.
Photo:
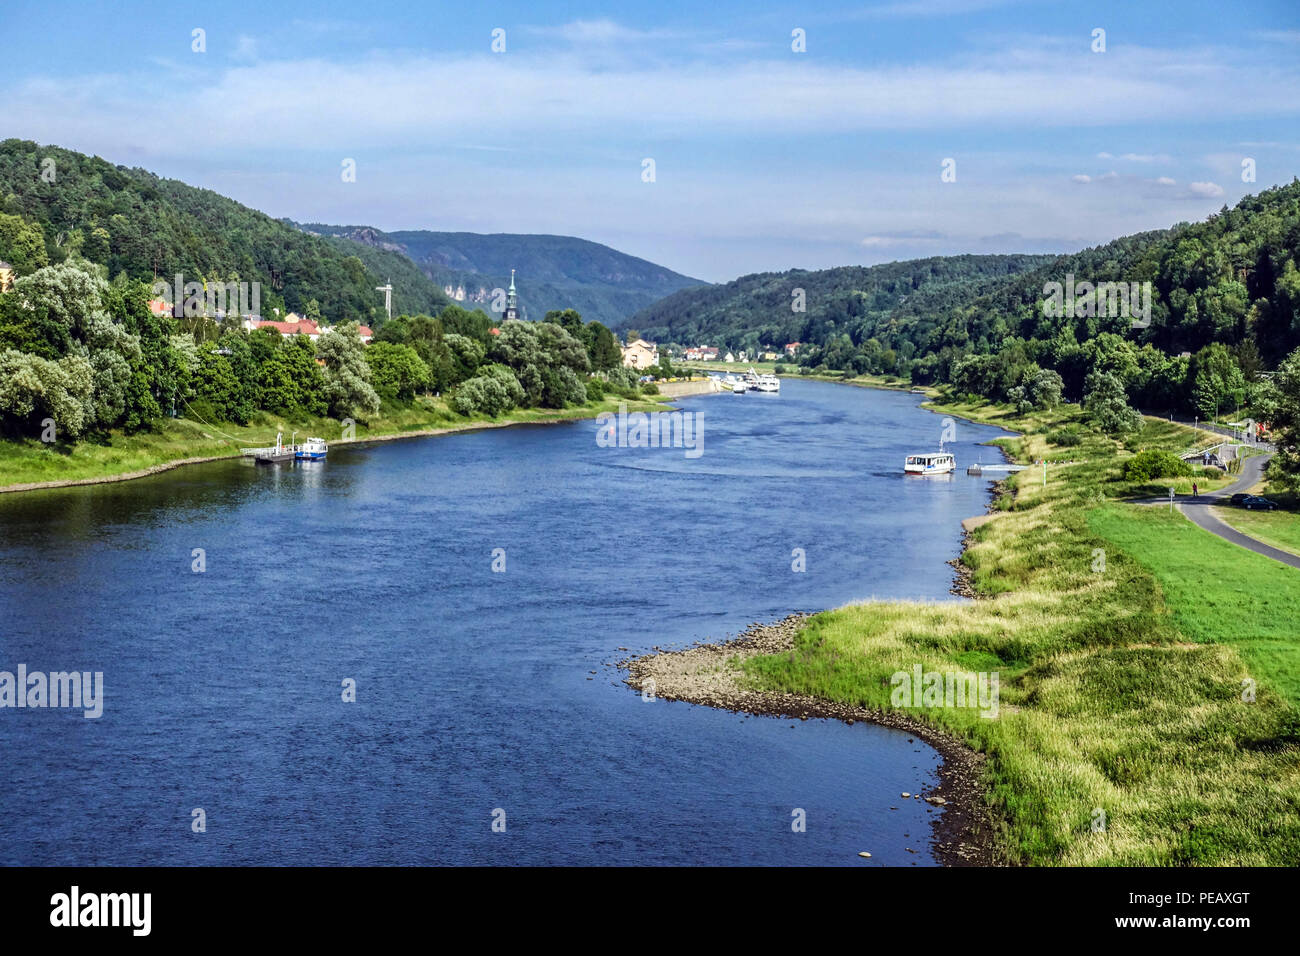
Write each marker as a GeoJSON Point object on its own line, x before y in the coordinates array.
{"type": "Point", "coordinates": [6, 276]}
{"type": "Point", "coordinates": [295, 324]}
{"type": "Point", "coordinates": [792, 347]}
{"type": "Point", "coordinates": [640, 354]}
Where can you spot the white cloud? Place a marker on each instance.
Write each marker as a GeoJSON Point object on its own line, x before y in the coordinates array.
{"type": "Point", "coordinates": [1082, 178]}
{"type": "Point", "coordinates": [1165, 181]}
{"type": "Point", "coordinates": [316, 103]}
{"type": "Point", "coordinates": [582, 32]}
{"type": "Point", "coordinates": [1205, 190]}
{"type": "Point", "coordinates": [245, 48]}
{"type": "Point", "coordinates": [1137, 157]}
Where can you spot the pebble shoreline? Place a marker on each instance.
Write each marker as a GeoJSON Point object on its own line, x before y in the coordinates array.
{"type": "Point", "coordinates": [710, 675]}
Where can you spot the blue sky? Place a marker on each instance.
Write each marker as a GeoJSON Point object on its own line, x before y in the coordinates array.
{"type": "Point", "coordinates": [764, 158]}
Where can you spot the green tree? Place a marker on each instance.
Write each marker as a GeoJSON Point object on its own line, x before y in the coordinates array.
{"type": "Point", "coordinates": [22, 244]}
{"type": "Point", "coordinates": [602, 347]}
{"type": "Point", "coordinates": [396, 371]}
{"type": "Point", "coordinates": [347, 390]}
{"type": "Point", "coordinates": [1106, 403]}
{"type": "Point", "coordinates": [1279, 409]}
{"type": "Point", "coordinates": [1217, 382]}
{"type": "Point", "coordinates": [33, 389]}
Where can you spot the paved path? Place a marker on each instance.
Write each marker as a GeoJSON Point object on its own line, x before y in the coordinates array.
{"type": "Point", "coordinates": [1197, 511]}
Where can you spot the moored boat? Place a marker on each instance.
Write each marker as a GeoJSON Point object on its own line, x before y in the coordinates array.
{"type": "Point", "coordinates": [313, 449]}
{"type": "Point", "coordinates": [938, 463]}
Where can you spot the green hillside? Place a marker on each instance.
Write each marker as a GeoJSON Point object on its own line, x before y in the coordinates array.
{"type": "Point", "coordinates": [552, 272]}
{"type": "Point", "coordinates": [1224, 307]}
{"type": "Point", "coordinates": [135, 222]}
{"type": "Point", "coordinates": [761, 309]}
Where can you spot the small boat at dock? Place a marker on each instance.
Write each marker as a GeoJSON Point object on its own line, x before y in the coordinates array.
{"type": "Point", "coordinates": [938, 463]}
{"type": "Point", "coordinates": [313, 449]}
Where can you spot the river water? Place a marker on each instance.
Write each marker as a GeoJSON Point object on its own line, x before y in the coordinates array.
{"type": "Point", "coordinates": [475, 689]}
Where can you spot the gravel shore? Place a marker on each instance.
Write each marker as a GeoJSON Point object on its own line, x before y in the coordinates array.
{"type": "Point", "coordinates": [710, 674]}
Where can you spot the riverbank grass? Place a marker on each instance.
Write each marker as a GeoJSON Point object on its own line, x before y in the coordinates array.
{"type": "Point", "coordinates": [1125, 640]}
{"type": "Point", "coordinates": [179, 439]}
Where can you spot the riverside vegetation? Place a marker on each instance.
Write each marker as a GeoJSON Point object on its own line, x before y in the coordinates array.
{"type": "Point", "coordinates": [1150, 672]}
{"type": "Point", "coordinates": [88, 374]}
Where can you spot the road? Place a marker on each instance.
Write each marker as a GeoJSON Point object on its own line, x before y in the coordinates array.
{"type": "Point", "coordinates": [1235, 434]}
{"type": "Point", "coordinates": [1198, 512]}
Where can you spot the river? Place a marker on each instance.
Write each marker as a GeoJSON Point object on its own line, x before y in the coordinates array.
{"type": "Point", "coordinates": [477, 690]}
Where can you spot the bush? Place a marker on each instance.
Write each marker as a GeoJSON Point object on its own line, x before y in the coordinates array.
{"type": "Point", "coordinates": [1068, 436]}
{"type": "Point", "coordinates": [595, 390]}
{"type": "Point", "coordinates": [779, 370]}
{"type": "Point", "coordinates": [1150, 464]}
{"type": "Point", "coordinates": [481, 394]}
{"type": "Point", "coordinates": [649, 388]}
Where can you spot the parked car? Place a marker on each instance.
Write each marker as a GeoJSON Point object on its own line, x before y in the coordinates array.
{"type": "Point", "coordinates": [1238, 498]}
{"type": "Point", "coordinates": [1256, 503]}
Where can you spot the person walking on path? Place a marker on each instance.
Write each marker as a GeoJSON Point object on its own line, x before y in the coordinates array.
{"type": "Point", "coordinates": [1195, 493]}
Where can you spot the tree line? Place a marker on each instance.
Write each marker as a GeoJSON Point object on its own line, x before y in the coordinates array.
{"type": "Point", "coordinates": [80, 355]}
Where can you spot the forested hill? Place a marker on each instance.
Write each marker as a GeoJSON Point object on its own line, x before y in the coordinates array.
{"type": "Point", "coordinates": [761, 309]}
{"type": "Point", "coordinates": [1218, 306]}
{"type": "Point", "coordinates": [552, 272]}
{"type": "Point", "coordinates": [135, 222]}
{"type": "Point", "coordinates": [1229, 280]}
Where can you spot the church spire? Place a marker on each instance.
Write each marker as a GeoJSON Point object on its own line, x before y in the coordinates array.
{"type": "Point", "coordinates": [512, 299]}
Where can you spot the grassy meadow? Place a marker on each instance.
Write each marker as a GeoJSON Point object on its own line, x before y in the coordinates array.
{"type": "Point", "coordinates": [1149, 672]}
{"type": "Point", "coordinates": [1279, 528]}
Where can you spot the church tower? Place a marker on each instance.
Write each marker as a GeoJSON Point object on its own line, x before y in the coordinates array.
{"type": "Point", "coordinates": [512, 300]}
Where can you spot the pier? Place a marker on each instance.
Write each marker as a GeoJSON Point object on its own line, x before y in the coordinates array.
{"type": "Point", "coordinates": [275, 453]}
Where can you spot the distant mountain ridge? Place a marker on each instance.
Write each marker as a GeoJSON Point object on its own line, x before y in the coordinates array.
{"type": "Point", "coordinates": [813, 306]}
{"type": "Point", "coordinates": [552, 272]}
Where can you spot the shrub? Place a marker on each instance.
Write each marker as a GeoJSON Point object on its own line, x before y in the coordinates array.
{"type": "Point", "coordinates": [1150, 464]}
{"type": "Point", "coordinates": [1069, 436]}
{"type": "Point", "coordinates": [650, 388]}
{"type": "Point", "coordinates": [595, 390]}
{"type": "Point", "coordinates": [481, 394]}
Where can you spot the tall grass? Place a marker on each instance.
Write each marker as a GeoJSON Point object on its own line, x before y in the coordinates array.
{"type": "Point", "coordinates": [1126, 641]}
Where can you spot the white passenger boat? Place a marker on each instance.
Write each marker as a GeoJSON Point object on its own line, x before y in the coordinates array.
{"type": "Point", "coordinates": [313, 449]}
{"type": "Point", "coordinates": [939, 463]}
{"type": "Point", "coordinates": [768, 383]}
{"type": "Point", "coordinates": [739, 387]}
